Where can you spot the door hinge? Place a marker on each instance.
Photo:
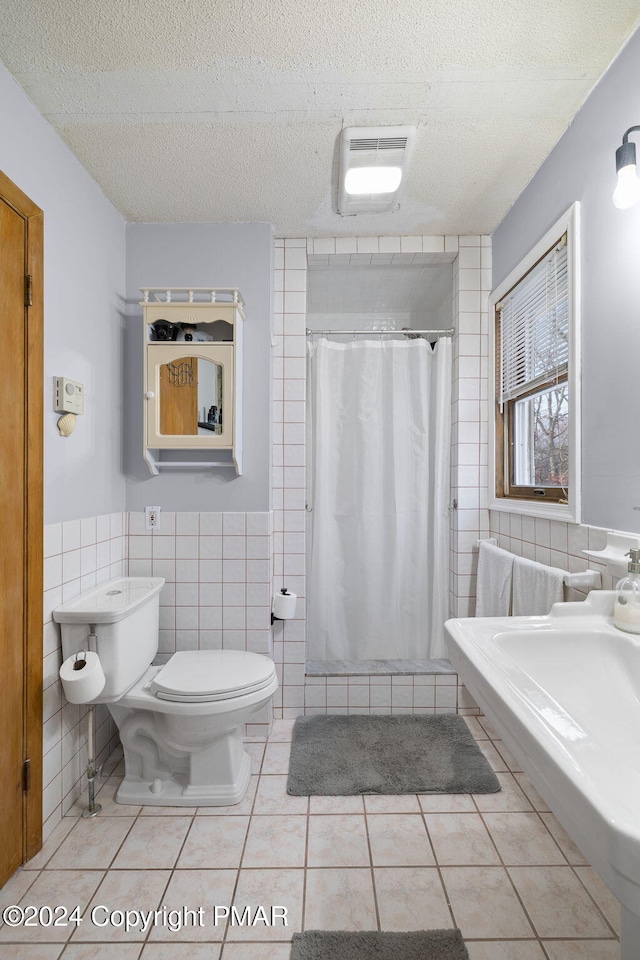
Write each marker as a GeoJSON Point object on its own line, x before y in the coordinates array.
{"type": "Point", "coordinates": [26, 775]}
{"type": "Point", "coordinates": [28, 290]}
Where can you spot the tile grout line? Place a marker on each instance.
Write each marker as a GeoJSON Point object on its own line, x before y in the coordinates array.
{"type": "Point", "coordinates": [376, 905]}
{"type": "Point", "coordinates": [234, 890]}
{"type": "Point", "coordinates": [437, 866]}
{"type": "Point", "coordinates": [572, 867]}
{"type": "Point", "coordinates": [506, 868]}
{"type": "Point", "coordinates": [303, 917]}
{"type": "Point", "coordinates": [547, 830]}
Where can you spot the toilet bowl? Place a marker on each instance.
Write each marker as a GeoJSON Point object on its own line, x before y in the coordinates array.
{"type": "Point", "coordinates": [181, 723]}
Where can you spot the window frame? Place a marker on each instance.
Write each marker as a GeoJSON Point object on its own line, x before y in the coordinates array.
{"type": "Point", "coordinates": [502, 495]}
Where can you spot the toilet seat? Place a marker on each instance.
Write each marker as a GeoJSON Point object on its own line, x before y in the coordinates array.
{"type": "Point", "coordinates": [204, 676]}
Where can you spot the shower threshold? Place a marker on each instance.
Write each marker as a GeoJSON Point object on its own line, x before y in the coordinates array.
{"type": "Point", "coordinates": [354, 668]}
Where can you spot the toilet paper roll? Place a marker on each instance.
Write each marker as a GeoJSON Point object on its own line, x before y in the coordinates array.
{"type": "Point", "coordinates": [284, 605]}
{"type": "Point", "coordinates": [82, 677]}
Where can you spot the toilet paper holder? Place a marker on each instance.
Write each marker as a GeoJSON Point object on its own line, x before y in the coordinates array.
{"type": "Point", "coordinates": [79, 664]}
{"type": "Point", "coordinates": [283, 593]}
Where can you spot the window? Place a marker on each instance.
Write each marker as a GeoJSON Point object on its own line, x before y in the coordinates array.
{"type": "Point", "coordinates": [536, 391]}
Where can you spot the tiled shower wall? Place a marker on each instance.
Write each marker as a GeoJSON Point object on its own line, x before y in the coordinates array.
{"type": "Point", "coordinates": [78, 555]}
{"type": "Point", "coordinates": [469, 516]}
{"type": "Point", "coordinates": [472, 281]}
{"type": "Point", "coordinates": [289, 467]}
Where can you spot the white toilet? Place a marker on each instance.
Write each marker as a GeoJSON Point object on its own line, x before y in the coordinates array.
{"type": "Point", "coordinates": [180, 724]}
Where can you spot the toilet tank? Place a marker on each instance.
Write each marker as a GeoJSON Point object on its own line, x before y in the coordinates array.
{"type": "Point", "coordinates": [123, 614]}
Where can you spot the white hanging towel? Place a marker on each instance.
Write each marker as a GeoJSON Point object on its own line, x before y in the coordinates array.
{"type": "Point", "coordinates": [536, 587]}
{"type": "Point", "coordinates": [493, 586]}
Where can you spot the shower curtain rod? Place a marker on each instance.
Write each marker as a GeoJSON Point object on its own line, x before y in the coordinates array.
{"type": "Point", "coordinates": [377, 333]}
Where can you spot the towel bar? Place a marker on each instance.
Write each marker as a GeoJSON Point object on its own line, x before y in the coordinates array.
{"type": "Point", "coordinates": [586, 579]}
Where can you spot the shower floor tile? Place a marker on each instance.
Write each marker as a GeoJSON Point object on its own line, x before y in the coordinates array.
{"type": "Point", "coordinates": [348, 668]}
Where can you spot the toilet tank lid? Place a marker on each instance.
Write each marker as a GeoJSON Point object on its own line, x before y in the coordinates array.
{"type": "Point", "coordinates": [110, 601]}
{"type": "Point", "coordinates": [202, 673]}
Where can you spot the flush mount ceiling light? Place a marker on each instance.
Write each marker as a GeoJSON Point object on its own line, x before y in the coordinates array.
{"type": "Point", "coordinates": [627, 190]}
{"type": "Point", "coordinates": [373, 161]}
{"type": "Point", "coordinates": [362, 180]}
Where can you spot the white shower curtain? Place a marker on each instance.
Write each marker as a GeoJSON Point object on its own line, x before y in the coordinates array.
{"type": "Point", "coordinates": [380, 439]}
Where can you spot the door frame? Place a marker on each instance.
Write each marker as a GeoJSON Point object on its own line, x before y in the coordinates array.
{"type": "Point", "coordinates": [33, 402]}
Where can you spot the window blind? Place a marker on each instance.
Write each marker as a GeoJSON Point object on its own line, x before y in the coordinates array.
{"type": "Point", "coordinates": [534, 326]}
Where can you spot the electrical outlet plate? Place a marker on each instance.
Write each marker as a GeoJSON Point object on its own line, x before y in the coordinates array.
{"type": "Point", "coordinates": [152, 518]}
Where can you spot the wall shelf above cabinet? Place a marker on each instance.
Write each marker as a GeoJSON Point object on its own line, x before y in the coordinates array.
{"type": "Point", "coordinates": [192, 377]}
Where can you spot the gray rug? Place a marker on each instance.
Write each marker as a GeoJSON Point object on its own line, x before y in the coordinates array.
{"type": "Point", "coordinates": [344, 756]}
{"type": "Point", "coordinates": [366, 945]}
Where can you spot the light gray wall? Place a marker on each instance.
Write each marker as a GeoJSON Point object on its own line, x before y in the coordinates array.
{"type": "Point", "coordinates": [204, 254]}
{"type": "Point", "coordinates": [84, 274]}
{"type": "Point", "coordinates": [582, 167]}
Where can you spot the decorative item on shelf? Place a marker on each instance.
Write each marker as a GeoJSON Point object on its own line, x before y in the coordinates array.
{"type": "Point", "coordinates": [188, 330]}
{"type": "Point", "coordinates": [164, 330]}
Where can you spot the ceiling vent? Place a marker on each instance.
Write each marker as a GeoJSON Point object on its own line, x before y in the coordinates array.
{"type": "Point", "coordinates": [373, 161]}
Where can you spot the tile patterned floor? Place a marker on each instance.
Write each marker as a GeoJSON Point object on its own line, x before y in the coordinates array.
{"type": "Point", "coordinates": [498, 866]}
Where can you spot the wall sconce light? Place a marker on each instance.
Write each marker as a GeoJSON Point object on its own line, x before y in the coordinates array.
{"type": "Point", "coordinates": [627, 190]}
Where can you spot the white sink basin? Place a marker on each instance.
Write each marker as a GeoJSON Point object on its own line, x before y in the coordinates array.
{"type": "Point", "coordinates": [563, 691]}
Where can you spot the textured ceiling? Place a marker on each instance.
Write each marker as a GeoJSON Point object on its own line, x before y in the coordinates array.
{"type": "Point", "coordinates": [198, 110]}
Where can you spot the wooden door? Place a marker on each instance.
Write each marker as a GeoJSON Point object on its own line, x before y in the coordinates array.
{"type": "Point", "coordinates": [21, 525]}
{"type": "Point", "coordinates": [12, 556]}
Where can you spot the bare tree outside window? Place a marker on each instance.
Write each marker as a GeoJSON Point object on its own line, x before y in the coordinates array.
{"type": "Point", "coordinates": [551, 438]}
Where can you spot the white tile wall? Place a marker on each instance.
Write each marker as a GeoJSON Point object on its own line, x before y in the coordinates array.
{"type": "Point", "coordinates": [472, 268]}
{"type": "Point", "coordinates": [289, 467]}
{"type": "Point", "coordinates": [552, 542]}
{"type": "Point", "coordinates": [217, 568]}
{"type": "Point", "coordinates": [470, 520]}
{"type": "Point", "coordinates": [389, 695]}
{"type": "Point", "coordinates": [78, 555]}
{"type": "Point", "coordinates": [217, 595]}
